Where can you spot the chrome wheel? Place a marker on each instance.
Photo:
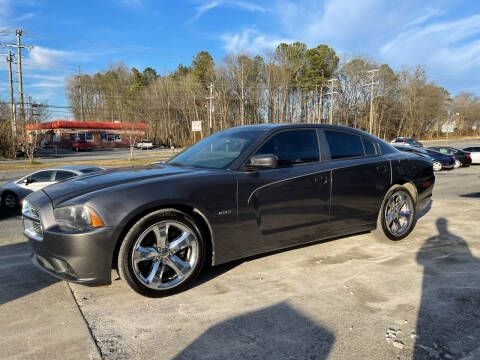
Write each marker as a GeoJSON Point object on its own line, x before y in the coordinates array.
{"type": "Point", "coordinates": [458, 163]}
{"type": "Point", "coordinates": [10, 200]}
{"type": "Point", "coordinates": [398, 213]}
{"type": "Point", "coordinates": [165, 254]}
{"type": "Point", "coordinates": [437, 166]}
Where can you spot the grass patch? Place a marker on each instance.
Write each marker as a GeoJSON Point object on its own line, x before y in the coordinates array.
{"type": "Point", "coordinates": [104, 163]}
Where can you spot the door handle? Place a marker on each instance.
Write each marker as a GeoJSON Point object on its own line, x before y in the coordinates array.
{"type": "Point", "coordinates": [321, 180]}
{"type": "Point", "coordinates": [382, 168]}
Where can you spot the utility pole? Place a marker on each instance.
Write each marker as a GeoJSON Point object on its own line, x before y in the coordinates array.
{"type": "Point", "coordinates": [19, 47]}
{"type": "Point", "coordinates": [12, 109]}
{"type": "Point", "coordinates": [81, 96]}
{"type": "Point", "coordinates": [210, 108]}
{"type": "Point", "coordinates": [371, 84]}
{"type": "Point", "coordinates": [331, 94]}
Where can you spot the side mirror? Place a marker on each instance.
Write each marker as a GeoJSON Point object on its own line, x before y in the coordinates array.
{"type": "Point", "coordinates": [26, 181]}
{"type": "Point", "coordinates": [266, 161]}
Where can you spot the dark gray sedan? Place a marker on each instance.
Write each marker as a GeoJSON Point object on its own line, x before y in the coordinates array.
{"type": "Point", "coordinates": [240, 192]}
{"type": "Point", "coordinates": [12, 193]}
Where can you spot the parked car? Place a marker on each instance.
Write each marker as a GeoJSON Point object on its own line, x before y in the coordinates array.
{"type": "Point", "coordinates": [462, 158]}
{"type": "Point", "coordinates": [237, 193]}
{"type": "Point", "coordinates": [407, 141]}
{"type": "Point", "coordinates": [12, 193]}
{"type": "Point", "coordinates": [439, 161]}
{"type": "Point", "coordinates": [19, 151]}
{"type": "Point", "coordinates": [474, 153]}
{"type": "Point", "coordinates": [145, 144]}
{"type": "Point", "coordinates": [78, 145]}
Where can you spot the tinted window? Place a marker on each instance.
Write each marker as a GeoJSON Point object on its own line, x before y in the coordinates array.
{"type": "Point", "coordinates": [63, 175]}
{"type": "Point", "coordinates": [343, 145]}
{"type": "Point", "coordinates": [42, 176]}
{"type": "Point", "coordinates": [293, 147]}
{"type": "Point", "coordinates": [218, 150]}
{"type": "Point", "coordinates": [369, 146]}
{"type": "Point", "coordinates": [90, 170]}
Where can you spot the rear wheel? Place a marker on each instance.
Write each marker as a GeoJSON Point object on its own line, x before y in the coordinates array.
{"type": "Point", "coordinates": [162, 254]}
{"type": "Point", "coordinates": [10, 200]}
{"type": "Point", "coordinates": [437, 166]}
{"type": "Point", "coordinates": [396, 219]}
{"type": "Point", "coordinates": [458, 164]}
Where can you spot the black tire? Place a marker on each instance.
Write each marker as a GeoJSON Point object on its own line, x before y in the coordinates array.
{"type": "Point", "coordinates": [437, 165]}
{"type": "Point", "coordinates": [126, 252]}
{"type": "Point", "coordinates": [458, 164]}
{"type": "Point", "coordinates": [10, 200]}
{"type": "Point", "coordinates": [383, 231]}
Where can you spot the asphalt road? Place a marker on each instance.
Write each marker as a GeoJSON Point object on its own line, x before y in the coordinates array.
{"type": "Point", "coordinates": [349, 298]}
{"type": "Point", "coordinates": [102, 154]}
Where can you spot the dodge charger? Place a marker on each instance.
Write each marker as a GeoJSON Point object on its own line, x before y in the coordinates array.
{"type": "Point", "coordinates": [240, 192]}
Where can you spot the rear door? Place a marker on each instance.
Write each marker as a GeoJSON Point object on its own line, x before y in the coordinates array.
{"type": "Point", "coordinates": [360, 179]}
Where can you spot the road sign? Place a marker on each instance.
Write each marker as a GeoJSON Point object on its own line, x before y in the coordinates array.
{"type": "Point", "coordinates": [447, 128]}
{"type": "Point", "coordinates": [196, 126]}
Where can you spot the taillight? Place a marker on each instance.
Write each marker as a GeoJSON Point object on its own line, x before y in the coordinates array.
{"type": "Point", "coordinates": [467, 155]}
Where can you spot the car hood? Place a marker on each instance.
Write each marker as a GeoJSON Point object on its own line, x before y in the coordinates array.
{"type": "Point", "coordinates": [72, 188]}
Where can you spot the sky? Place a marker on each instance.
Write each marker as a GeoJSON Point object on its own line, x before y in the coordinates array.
{"type": "Point", "coordinates": [444, 36]}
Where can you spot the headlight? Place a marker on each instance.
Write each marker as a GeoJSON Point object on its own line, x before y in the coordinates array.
{"type": "Point", "coordinates": [80, 217]}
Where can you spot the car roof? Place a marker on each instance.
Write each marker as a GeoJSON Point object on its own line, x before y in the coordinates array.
{"type": "Point", "coordinates": [300, 126]}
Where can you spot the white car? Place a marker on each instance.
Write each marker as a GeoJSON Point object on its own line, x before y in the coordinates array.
{"type": "Point", "coordinates": [12, 193]}
{"type": "Point", "coordinates": [474, 153]}
{"type": "Point", "coordinates": [145, 144]}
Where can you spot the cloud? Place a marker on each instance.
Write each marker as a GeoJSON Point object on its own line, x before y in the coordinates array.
{"type": "Point", "coordinates": [53, 57]}
{"type": "Point", "coordinates": [451, 46]}
{"type": "Point", "coordinates": [243, 5]}
{"type": "Point", "coordinates": [250, 40]}
{"type": "Point", "coordinates": [48, 85]}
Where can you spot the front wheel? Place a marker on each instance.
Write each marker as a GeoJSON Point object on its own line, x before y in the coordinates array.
{"type": "Point", "coordinates": [10, 200]}
{"type": "Point", "coordinates": [437, 166]}
{"type": "Point", "coordinates": [396, 219]}
{"type": "Point", "coordinates": [162, 254]}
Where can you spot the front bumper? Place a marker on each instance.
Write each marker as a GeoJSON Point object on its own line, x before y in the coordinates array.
{"type": "Point", "coordinates": [84, 257]}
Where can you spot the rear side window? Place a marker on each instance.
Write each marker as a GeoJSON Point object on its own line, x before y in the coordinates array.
{"type": "Point", "coordinates": [370, 148]}
{"type": "Point", "coordinates": [293, 147]}
{"type": "Point", "coordinates": [63, 175]}
{"type": "Point", "coordinates": [343, 145]}
{"type": "Point", "coordinates": [90, 170]}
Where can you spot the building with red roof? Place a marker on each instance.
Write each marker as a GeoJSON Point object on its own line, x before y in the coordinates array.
{"type": "Point", "coordinates": [99, 133]}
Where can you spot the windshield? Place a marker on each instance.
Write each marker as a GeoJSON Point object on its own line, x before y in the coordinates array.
{"type": "Point", "coordinates": [219, 150]}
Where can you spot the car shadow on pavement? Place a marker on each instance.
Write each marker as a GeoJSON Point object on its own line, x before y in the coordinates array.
{"type": "Point", "coordinates": [275, 332]}
{"type": "Point", "coordinates": [8, 213]}
{"type": "Point", "coordinates": [475, 195]}
{"type": "Point", "coordinates": [18, 276]}
{"type": "Point", "coordinates": [448, 325]}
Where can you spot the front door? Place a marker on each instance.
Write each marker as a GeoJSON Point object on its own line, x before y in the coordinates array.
{"type": "Point", "coordinates": [288, 204]}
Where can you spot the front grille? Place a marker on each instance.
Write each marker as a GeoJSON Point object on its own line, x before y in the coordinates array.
{"type": "Point", "coordinates": [37, 228]}
{"type": "Point", "coordinates": [31, 222]}
{"type": "Point", "coordinates": [34, 211]}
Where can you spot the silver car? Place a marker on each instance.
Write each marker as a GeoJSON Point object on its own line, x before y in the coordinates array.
{"type": "Point", "coordinates": [12, 193]}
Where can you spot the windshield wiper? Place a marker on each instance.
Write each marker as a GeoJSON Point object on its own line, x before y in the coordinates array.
{"type": "Point", "coordinates": [175, 164]}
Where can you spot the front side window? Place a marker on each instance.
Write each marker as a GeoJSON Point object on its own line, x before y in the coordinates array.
{"type": "Point", "coordinates": [41, 176]}
{"type": "Point", "coordinates": [293, 147]}
{"type": "Point", "coordinates": [343, 145]}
